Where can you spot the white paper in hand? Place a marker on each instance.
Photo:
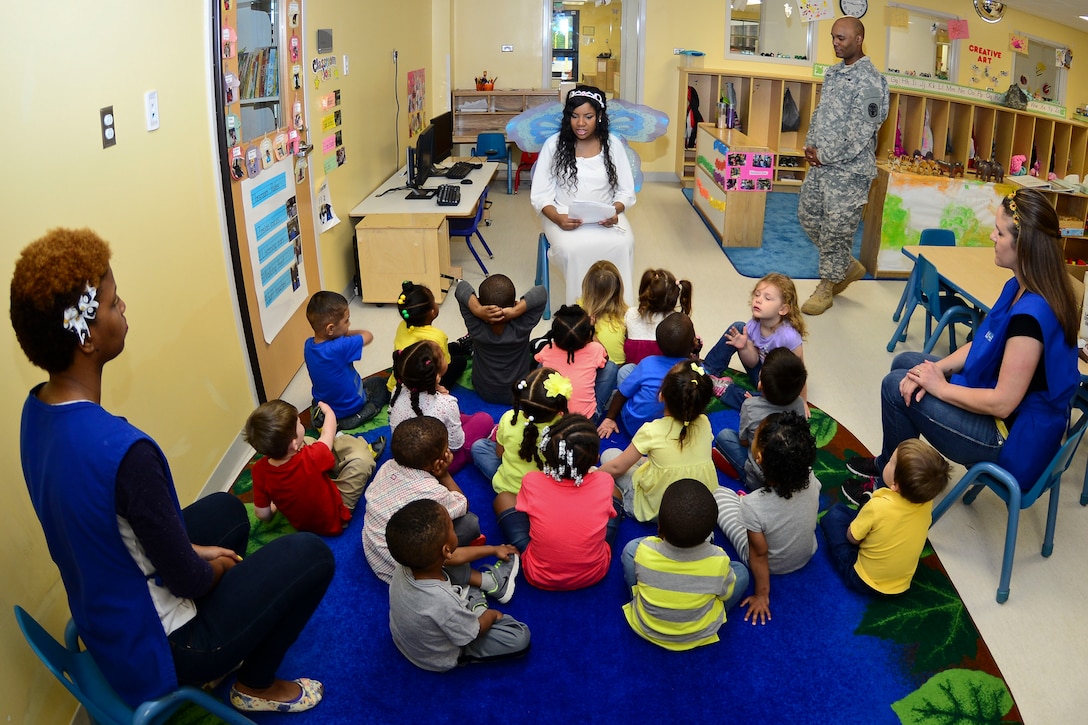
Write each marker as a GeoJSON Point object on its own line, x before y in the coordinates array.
{"type": "Point", "coordinates": [590, 212]}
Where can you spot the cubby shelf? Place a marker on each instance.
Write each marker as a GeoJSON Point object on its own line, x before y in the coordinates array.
{"type": "Point", "coordinates": [476, 112]}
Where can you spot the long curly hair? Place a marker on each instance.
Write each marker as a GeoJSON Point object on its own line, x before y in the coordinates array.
{"type": "Point", "coordinates": [537, 407]}
{"type": "Point", "coordinates": [50, 275]}
{"type": "Point", "coordinates": [787, 451]}
{"type": "Point", "coordinates": [1040, 257]}
{"type": "Point", "coordinates": [571, 330]}
{"type": "Point", "coordinates": [565, 165]}
{"type": "Point", "coordinates": [788, 290]}
{"type": "Point", "coordinates": [686, 390]}
{"type": "Point", "coordinates": [416, 370]}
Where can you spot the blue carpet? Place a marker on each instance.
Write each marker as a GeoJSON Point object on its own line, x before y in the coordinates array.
{"type": "Point", "coordinates": [828, 656]}
{"type": "Point", "coordinates": [785, 249]}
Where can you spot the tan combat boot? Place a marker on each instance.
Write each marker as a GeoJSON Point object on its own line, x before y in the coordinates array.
{"type": "Point", "coordinates": [854, 272]}
{"type": "Point", "coordinates": [821, 299]}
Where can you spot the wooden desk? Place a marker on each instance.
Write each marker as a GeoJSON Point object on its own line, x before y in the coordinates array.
{"type": "Point", "coordinates": [399, 239]}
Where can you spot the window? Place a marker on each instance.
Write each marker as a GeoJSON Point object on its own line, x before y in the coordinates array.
{"type": "Point", "coordinates": [768, 28]}
{"type": "Point", "coordinates": [1038, 72]}
{"type": "Point", "coordinates": [922, 47]}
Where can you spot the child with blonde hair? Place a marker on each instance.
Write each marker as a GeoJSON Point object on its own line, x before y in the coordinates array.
{"type": "Point", "coordinates": [602, 299]}
{"type": "Point", "coordinates": [659, 294]}
{"type": "Point", "coordinates": [419, 367]}
{"type": "Point", "coordinates": [776, 322]}
{"type": "Point", "coordinates": [570, 348]}
{"type": "Point", "coordinates": [540, 399]}
{"type": "Point", "coordinates": [668, 449]}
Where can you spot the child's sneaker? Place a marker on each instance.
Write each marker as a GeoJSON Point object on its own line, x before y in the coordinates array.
{"type": "Point", "coordinates": [720, 385]}
{"type": "Point", "coordinates": [504, 574]}
{"type": "Point", "coordinates": [479, 541]}
{"type": "Point", "coordinates": [722, 464]}
{"type": "Point", "coordinates": [378, 447]}
{"type": "Point", "coordinates": [858, 491]}
{"type": "Point", "coordinates": [863, 466]}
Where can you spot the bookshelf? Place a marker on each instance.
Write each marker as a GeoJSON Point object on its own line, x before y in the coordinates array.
{"type": "Point", "coordinates": [476, 112]}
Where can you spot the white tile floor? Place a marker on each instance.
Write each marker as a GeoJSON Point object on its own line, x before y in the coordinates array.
{"type": "Point", "coordinates": [1037, 636]}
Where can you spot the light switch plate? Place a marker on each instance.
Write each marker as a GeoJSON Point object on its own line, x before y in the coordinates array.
{"type": "Point", "coordinates": [507, 49]}
{"type": "Point", "coordinates": [151, 109]}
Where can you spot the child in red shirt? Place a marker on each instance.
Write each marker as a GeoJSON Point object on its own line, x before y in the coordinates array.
{"type": "Point", "coordinates": [294, 475]}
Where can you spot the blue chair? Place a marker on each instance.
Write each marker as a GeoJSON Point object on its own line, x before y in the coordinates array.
{"type": "Point", "coordinates": [928, 238]}
{"type": "Point", "coordinates": [468, 227]}
{"type": "Point", "coordinates": [492, 146]}
{"type": "Point", "coordinates": [78, 673]}
{"type": "Point", "coordinates": [939, 303]}
{"type": "Point", "coordinates": [990, 475]}
{"type": "Point", "coordinates": [543, 276]}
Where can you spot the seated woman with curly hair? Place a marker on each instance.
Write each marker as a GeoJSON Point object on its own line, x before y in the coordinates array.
{"type": "Point", "coordinates": [160, 595]}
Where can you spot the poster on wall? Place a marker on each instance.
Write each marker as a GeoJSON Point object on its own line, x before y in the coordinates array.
{"type": "Point", "coordinates": [272, 225]}
{"type": "Point", "coordinates": [812, 10]}
{"type": "Point", "coordinates": [417, 94]}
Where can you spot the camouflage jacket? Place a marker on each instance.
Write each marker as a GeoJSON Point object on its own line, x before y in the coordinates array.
{"type": "Point", "coordinates": [853, 105]}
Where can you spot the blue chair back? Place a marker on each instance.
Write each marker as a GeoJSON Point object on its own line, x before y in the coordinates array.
{"type": "Point", "coordinates": [468, 227]}
{"type": "Point", "coordinates": [937, 238]}
{"type": "Point", "coordinates": [491, 145]}
{"type": "Point", "coordinates": [79, 674]}
{"type": "Point", "coordinates": [1058, 465]}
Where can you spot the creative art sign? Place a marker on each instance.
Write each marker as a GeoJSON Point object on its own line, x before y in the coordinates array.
{"type": "Point", "coordinates": [985, 55]}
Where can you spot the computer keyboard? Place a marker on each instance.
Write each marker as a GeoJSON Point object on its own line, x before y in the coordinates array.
{"type": "Point", "coordinates": [449, 195]}
{"type": "Point", "coordinates": [460, 170]}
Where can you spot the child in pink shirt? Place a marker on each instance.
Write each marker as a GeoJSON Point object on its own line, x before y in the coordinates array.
{"type": "Point", "coordinates": [574, 354]}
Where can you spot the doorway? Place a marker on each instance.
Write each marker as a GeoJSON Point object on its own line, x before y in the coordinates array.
{"type": "Point", "coordinates": [597, 42]}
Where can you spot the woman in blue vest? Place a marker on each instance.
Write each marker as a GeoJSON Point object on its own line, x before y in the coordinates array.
{"type": "Point", "coordinates": [1006, 396]}
{"type": "Point", "coordinates": [161, 596]}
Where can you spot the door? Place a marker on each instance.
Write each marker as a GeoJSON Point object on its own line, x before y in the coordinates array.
{"type": "Point", "coordinates": [268, 195]}
{"type": "Point", "coordinates": [565, 46]}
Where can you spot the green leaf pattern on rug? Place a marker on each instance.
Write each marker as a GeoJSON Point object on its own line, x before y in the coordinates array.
{"type": "Point", "coordinates": [955, 696]}
{"type": "Point", "coordinates": [931, 615]}
{"type": "Point", "coordinates": [262, 532]}
{"type": "Point", "coordinates": [823, 427]}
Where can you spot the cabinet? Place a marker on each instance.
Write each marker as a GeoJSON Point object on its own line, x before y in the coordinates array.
{"type": "Point", "coordinates": [759, 107]}
{"type": "Point", "coordinates": [476, 112]}
{"type": "Point", "coordinates": [396, 247]}
{"type": "Point", "coordinates": [735, 217]}
{"type": "Point", "coordinates": [957, 126]}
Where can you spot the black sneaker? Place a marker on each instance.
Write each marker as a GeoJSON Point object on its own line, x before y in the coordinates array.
{"type": "Point", "coordinates": [864, 467]}
{"type": "Point", "coordinates": [378, 447]}
{"type": "Point", "coordinates": [858, 491]}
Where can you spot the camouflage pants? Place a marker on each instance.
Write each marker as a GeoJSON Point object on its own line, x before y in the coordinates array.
{"type": "Point", "coordinates": [829, 209]}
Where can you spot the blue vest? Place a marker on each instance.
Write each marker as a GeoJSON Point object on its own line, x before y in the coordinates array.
{"type": "Point", "coordinates": [1042, 416]}
{"type": "Point", "coordinates": [70, 455]}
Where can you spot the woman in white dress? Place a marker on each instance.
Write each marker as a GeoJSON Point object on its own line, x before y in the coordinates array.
{"type": "Point", "coordinates": [584, 162]}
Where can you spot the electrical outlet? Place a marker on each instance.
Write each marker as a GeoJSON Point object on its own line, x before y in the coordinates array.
{"type": "Point", "coordinates": [394, 55]}
{"type": "Point", "coordinates": [151, 109]}
{"type": "Point", "coordinates": [108, 127]}
{"type": "Point", "coordinates": [677, 51]}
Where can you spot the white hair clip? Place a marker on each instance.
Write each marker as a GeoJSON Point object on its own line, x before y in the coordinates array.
{"type": "Point", "coordinates": [75, 317]}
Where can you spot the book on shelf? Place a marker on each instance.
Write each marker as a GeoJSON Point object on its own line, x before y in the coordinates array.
{"type": "Point", "coordinates": [258, 73]}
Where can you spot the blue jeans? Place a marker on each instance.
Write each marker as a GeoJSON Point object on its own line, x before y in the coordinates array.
{"type": "Point", "coordinates": [485, 455]}
{"type": "Point", "coordinates": [607, 381]}
{"type": "Point", "coordinates": [717, 360]}
{"type": "Point", "coordinates": [728, 444]}
{"type": "Point", "coordinates": [515, 526]}
{"type": "Point", "coordinates": [257, 610]}
{"type": "Point", "coordinates": [740, 586]}
{"type": "Point", "coordinates": [844, 555]}
{"type": "Point", "coordinates": [962, 436]}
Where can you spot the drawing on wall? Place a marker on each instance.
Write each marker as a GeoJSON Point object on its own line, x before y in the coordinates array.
{"type": "Point", "coordinates": [417, 94]}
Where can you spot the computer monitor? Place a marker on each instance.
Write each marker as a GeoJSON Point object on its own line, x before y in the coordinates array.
{"type": "Point", "coordinates": [424, 158]}
{"type": "Point", "coordinates": [443, 137]}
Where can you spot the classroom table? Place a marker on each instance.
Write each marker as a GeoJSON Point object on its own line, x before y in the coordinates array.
{"type": "Point", "coordinates": [408, 239]}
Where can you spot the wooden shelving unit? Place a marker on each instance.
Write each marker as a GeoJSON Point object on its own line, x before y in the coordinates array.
{"type": "Point", "coordinates": [476, 112]}
{"type": "Point", "coordinates": [1006, 131]}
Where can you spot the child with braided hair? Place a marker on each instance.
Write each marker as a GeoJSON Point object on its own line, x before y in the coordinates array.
{"type": "Point", "coordinates": [418, 309]}
{"type": "Point", "coordinates": [670, 448]}
{"type": "Point", "coordinates": [540, 398]}
{"type": "Point", "coordinates": [572, 351]}
{"type": "Point", "coordinates": [418, 369]}
{"type": "Point", "coordinates": [566, 515]}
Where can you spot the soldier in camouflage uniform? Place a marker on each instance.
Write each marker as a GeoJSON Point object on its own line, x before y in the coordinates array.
{"type": "Point", "coordinates": [841, 152]}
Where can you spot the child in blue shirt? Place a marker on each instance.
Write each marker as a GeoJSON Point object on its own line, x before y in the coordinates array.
{"type": "Point", "coordinates": [330, 359]}
{"type": "Point", "coordinates": [636, 400]}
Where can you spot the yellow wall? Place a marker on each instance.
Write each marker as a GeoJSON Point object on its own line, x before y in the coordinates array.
{"type": "Point", "coordinates": [155, 197]}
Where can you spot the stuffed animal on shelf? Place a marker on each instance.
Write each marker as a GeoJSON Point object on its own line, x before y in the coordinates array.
{"type": "Point", "coordinates": [1016, 165]}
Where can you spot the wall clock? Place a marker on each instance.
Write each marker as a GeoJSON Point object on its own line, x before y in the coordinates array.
{"type": "Point", "coordinates": [856, 8]}
{"type": "Point", "coordinates": [990, 10]}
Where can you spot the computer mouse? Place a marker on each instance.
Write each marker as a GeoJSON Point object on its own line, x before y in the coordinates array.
{"type": "Point", "coordinates": [466, 181]}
